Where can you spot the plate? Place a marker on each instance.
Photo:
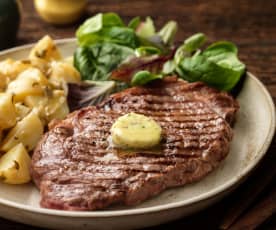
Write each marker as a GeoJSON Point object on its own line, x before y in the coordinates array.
{"type": "Point", "coordinates": [253, 133]}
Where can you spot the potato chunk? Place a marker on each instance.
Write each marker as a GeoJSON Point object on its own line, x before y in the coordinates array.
{"type": "Point", "coordinates": [36, 102]}
{"type": "Point", "coordinates": [57, 107]}
{"type": "Point", "coordinates": [21, 111]}
{"type": "Point", "coordinates": [11, 68]}
{"type": "Point", "coordinates": [44, 52]}
{"type": "Point", "coordinates": [28, 131]}
{"type": "Point", "coordinates": [62, 71]}
{"type": "Point", "coordinates": [29, 82]}
{"type": "Point", "coordinates": [15, 166]}
{"type": "Point", "coordinates": [7, 111]}
{"type": "Point", "coordinates": [51, 107]}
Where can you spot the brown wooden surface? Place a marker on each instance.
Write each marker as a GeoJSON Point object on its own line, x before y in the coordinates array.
{"type": "Point", "coordinates": [251, 24]}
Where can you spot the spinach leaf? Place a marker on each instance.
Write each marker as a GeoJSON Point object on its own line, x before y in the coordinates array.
{"type": "Point", "coordinates": [224, 54]}
{"type": "Point", "coordinates": [134, 23]}
{"type": "Point", "coordinates": [106, 28]}
{"type": "Point", "coordinates": [98, 22]}
{"type": "Point", "coordinates": [194, 42]}
{"type": "Point", "coordinates": [155, 42]}
{"type": "Point", "coordinates": [116, 35]}
{"type": "Point", "coordinates": [162, 40]}
{"type": "Point", "coordinates": [169, 67]}
{"type": "Point", "coordinates": [146, 29]}
{"type": "Point", "coordinates": [146, 51]}
{"type": "Point", "coordinates": [190, 45]}
{"type": "Point", "coordinates": [218, 66]}
{"type": "Point", "coordinates": [168, 31]}
{"type": "Point", "coordinates": [96, 61]}
{"type": "Point", "coordinates": [220, 47]}
{"type": "Point", "coordinates": [143, 77]}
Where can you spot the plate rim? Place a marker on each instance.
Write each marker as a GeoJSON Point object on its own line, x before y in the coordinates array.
{"type": "Point", "coordinates": [162, 207]}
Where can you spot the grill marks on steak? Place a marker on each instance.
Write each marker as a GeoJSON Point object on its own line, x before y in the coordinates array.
{"type": "Point", "coordinates": [76, 168]}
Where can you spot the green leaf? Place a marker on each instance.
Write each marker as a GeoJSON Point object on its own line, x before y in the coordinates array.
{"type": "Point", "coordinates": [106, 28]}
{"type": "Point", "coordinates": [118, 35]}
{"type": "Point", "coordinates": [218, 65]}
{"type": "Point", "coordinates": [134, 23]}
{"type": "Point", "coordinates": [96, 61]}
{"type": "Point", "coordinates": [146, 51]}
{"type": "Point", "coordinates": [190, 45]}
{"type": "Point", "coordinates": [224, 54]}
{"type": "Point", "coordinates": [98, 22]}
{"type": "Point", "coordinates": [112, 19]}
{"type": "Point", "coordinates": [162, 40]}
{"type": "Point", "coordinates": [169, 67]}
{"type": "Point", "coordinates": [146, 29]}
{"type": "Point", "coordinates": [168, 32]}
{"type": "Point", "coordinates": [143, 77]}
{"type": "Point", "coordinates": [200, 68]}
{"type": "Point", "coordinates": [220, 47]}
{"type": "Point", "coordinates": [194, 42]}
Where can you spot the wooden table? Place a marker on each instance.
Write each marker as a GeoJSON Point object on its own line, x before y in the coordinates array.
{"type": "Point", "coordinates": [251, 24]}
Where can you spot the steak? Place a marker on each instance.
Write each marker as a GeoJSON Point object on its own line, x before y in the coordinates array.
{"type": "Point", "coordinates": [76, 168]}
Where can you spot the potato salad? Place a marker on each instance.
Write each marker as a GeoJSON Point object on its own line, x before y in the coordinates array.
{"type": "Point", "coordinates": [33, 92]}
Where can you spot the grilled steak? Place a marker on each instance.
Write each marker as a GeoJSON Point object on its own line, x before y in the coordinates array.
{"type": "Point", "coordinates": [76, 168]}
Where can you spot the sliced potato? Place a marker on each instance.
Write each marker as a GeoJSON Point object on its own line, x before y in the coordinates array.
{"type": "Point", "coordinates": [15, 166]}
{"type": "Point", "coordinates": [37, 103]}
{"type": "Point", "coordinates": [61, 111]}
{"type": "Point", "coordinates": [28, 131]}
{"type": "Point", "coordinates": [54, 102]}
{"type": "Point", "coordinates": [62, 71]}
{"type": "Point", "coordinates": [21, 111]}
{"type": "Point", "coordinates": [29, 82]}
{"type": "Point", "coordinates": [7, 111]}
{"type": "Point", "coordinates": [51, 107]}
{"type": "Point", "coordinates": [11, 68]}
{"type": "Point", "coordinates": [43, 52]}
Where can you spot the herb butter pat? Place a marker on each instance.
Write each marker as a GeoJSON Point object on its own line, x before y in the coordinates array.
{"type": "Point", "coordinates": [135, 131]}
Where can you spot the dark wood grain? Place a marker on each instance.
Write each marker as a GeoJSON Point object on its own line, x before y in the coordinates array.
{"type": "Point", "coordinates": [259, 213]}
{"type": "Point", "coordinates": [251, 24]}
{"type": "Point", "coordinates": [248, 196]}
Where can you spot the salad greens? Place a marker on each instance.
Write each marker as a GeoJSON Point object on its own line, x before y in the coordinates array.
{"type": "Point", "coordinates": [194, 42]}
{"type": "Point", "coordinates": [146, 51]}
{"type": "Point", "coordinates": [167, 33]}
{"type": "Point", "coordinates": [106, 42]}
{"type": "Point", "coordinates": [218, 65]}
{"type": "Point", "coordinates": [138, 53]}
{"type": "Point", "coordinates": [107, 27]}
{"type": "Point", "coordinates": [189, 45]}
{"type": "Point", "coordinates": [134, 23]}
{"type": "Point", "coordinates": [142, 77]}
{"type": "Point", "coordinates": [146, 29]}
{"type": "Point", "coordinates": [88, 93]}
{"type": "Point", "coordinates": [95, 61]}
{"type": "Point", "coordinates": [126, 71]}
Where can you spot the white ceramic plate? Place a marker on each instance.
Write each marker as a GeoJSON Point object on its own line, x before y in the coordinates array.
{"type": "Point", "coordinates": [253, 133]}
